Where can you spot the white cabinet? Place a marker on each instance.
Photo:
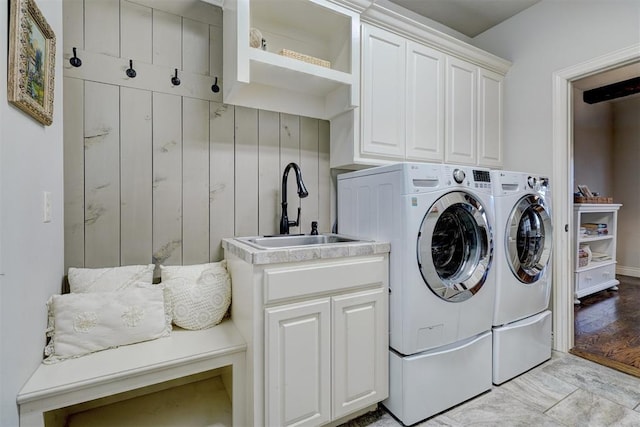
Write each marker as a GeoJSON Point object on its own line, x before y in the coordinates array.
{"type": "Point", "coordinates": [423, 98]}
{"type": "Point", "coordinates": [402, 97]}
{"type": "Point", "coordinates": [595, 228]}
{"type": "Point", "coordinates": [461, 118]}
{"type": "Point", "coordinates": [321, 354]}
{"type": "Point", "coordinates": [317, 336]}
{"type": "Point", "coordinates": [424, 103]}
{"type": "Point", "coordinates": [490, 95]}
{"type": "Point", "coordinates": [266, 79]}
{"type": "Point", "coordinates": [298, 364]}
{"type": "Point", "coordinates": [360, 352]}
{"type": "Point", "coordinates": [474, 115]}
{"type": "Point", "coordinates": [383, 93]}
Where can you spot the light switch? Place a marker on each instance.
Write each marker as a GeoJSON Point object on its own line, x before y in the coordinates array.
{"type": "Point", "coordinates": [46, 203]}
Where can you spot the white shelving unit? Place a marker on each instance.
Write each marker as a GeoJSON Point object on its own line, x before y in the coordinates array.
{"type": "Point", "coordinates": [600, 272]}
{"type": "Point", "coordinates": [264, 79]}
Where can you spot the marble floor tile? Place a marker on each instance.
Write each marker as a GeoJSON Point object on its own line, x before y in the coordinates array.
{"type": "Point", "coordinates": [440, 421]}
{"type": "Point", "coordinates": [564, 391]}
{"type": "Point", "coordinates": [499, 408]}
{"type": "Point", "coordinates": [583, 408]}
{"type": "Point", "coordinates": [538, 389]}
{"type": "Point", "coordinates": [605, 382]}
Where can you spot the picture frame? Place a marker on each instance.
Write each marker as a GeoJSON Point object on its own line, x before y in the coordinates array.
{"type": "Point", "coordinates": [584, 190]}
{"type": "Point", "coordinates": [32, 51]}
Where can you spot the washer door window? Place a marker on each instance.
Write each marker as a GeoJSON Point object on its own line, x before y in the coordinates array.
{"type": "Point", "coordinates": [528, 238]}
{"type": "Point", "coordinates": [454, 247]}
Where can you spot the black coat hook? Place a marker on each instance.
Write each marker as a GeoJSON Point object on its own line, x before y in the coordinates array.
{"type": "Point", "coordinates": [130, 71]}
{"type": "Point", "coordinates": [215, 88]}
{"type": "Point", "coordinates": [175, 80]}
{"type": "Point", "coordinates": [75, 61]}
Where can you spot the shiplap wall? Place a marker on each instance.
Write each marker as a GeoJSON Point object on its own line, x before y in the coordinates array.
{"type": "Point", "coordinates": [161, 173]}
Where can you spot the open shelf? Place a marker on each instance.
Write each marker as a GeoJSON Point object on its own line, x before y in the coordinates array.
{"type": "Point", "coordinates": [263, 78]}
{"type": "Point", "coordinates": [596, 275]}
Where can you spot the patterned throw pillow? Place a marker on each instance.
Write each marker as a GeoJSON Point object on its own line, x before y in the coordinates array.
{"type": "Point", "coordinates": [108, 279]}
{"type": "Point", "coordinates": [82, 323]}
{"type": "Point", "coordinates": [200, 295]}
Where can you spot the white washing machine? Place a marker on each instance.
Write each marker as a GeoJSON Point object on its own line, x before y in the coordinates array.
{"type": "Point", "coordinates": [522, 321]}
{"type": "Point", "coordinates": [438, 219]}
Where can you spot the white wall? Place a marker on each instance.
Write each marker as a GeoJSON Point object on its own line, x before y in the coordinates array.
{"type": "Point", "coordinates": [593, 145]}
{"type": "Point", "coordinates": [550, 36]}
{"type": "Point", "coordinates": [31, 259]}
{"type": "Point", "coordinates": [182, 170]}
{"type": "Point", "coordinates": [626, 141]}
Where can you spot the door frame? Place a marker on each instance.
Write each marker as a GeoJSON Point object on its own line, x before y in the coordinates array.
{"type": "Point", "coordinates": [562, 198]}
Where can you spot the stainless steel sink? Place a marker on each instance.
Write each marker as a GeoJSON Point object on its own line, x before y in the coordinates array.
{"type": "Point", "coordinates": [295, 240]}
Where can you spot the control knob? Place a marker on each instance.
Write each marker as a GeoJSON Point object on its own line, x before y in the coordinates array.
{"type": "Point", "coordinates": [458, 175]}
{"type": "Point", "coordinates": [532, 182]}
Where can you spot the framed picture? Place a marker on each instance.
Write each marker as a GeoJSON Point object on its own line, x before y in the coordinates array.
{"type": "Point", "coordinates": [32, 51]}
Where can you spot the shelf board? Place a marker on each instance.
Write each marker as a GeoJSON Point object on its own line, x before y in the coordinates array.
{"type": "Point", "coordinates": [597, 288]}
{"type": "Point", "coordinates": [275, 70]}
{"type": "Point", "coordinates": [595, 238]}
{"type": "Point", "coordinates": [595, 264]}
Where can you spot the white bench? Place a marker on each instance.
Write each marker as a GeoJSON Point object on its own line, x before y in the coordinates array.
{"type": "Point", "coordinates": [135, 367]}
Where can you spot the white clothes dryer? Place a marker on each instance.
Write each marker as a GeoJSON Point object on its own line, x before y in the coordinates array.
{"type": "Point", "coordinates": [521, 321]}
{"type": "Point", "coordinates": [438, 219]}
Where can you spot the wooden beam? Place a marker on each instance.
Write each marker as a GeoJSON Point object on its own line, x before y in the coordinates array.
{"type": "Point", "coordinates": [612, 91]}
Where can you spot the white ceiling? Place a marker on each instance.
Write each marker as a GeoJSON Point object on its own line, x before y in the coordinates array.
{"type": "Point", "coordinates": [469, 17]}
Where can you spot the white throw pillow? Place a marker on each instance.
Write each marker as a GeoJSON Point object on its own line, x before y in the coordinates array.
{"type": "Point", "coordinates": [83, 323]}
{"type": "Point", "coordinates": [108, 279]}
{"type": "Point", "coordinates": [200, 294]}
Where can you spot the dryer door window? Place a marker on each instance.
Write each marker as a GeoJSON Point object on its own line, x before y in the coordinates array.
{"type": "Point", "coordinates": [528, 238]}
{"type": "Point", "coordinates": [454, 247]}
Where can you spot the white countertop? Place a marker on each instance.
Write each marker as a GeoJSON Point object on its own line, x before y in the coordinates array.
{"type": "Point", "coordinates": [303, 253]}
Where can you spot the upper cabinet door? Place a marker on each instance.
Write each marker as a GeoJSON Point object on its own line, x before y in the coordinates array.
{"type": "Point", "coordinates": [425, 103]}
{"type": "Point", "coordinates": [383, 92]}
{"type": "Point", "coordinates": [490, 119]}
{"type": "Point", "coordinates": [461, 119]}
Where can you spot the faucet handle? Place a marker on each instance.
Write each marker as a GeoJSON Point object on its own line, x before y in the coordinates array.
{"type": "Point", "coordinates": [296, 223]}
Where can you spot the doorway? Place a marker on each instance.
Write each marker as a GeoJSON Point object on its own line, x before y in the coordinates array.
{"type": "Point", "coordinates": [563, 315]}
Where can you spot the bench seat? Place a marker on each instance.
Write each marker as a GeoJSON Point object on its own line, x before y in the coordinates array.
{"type": "Point", "coordinates": [109, 372]}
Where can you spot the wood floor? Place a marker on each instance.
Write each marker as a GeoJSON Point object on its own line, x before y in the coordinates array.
{"type": "Point", "coordinates": [607, 327]}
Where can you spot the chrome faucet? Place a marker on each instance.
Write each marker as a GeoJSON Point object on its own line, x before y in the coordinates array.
{"type": "Point", "coordinates": [302, 193]}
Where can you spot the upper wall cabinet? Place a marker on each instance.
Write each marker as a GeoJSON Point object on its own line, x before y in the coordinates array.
{"type": "Point", "coordinates": [474, 114]}
{"type": "Point", "coordinates": [425, 96]}
{"type": "Point", "coordinates": [293, 56]}
{"type": "Point", "coordinates": [402, 94]}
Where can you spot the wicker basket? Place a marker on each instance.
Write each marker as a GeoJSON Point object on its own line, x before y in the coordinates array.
{"type": "Point", "coordinates": [305, 58]}
{"type": "Point", "coordinates": [600, 200]}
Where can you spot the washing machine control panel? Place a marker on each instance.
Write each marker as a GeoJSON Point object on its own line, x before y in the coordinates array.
{"type": "Point", "coordinates": [481, 176]}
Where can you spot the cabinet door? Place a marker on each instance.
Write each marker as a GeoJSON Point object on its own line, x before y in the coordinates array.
{"type": "Point", "coordinates": [424, 103]}
{"type": "Point", "coordinates": [383, 83]}
{"type": "Point", "coordinates": [461, 125]}
{"type": "Point", "coordinates": [360, 350]}
{"type": "Point", "coordinates": [297, 364]}
{"type": "Point", "coordinates": [490, 119]}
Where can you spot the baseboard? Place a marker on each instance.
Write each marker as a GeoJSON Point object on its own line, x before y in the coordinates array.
{"type": "Point", "coordinates": [628, 271]}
